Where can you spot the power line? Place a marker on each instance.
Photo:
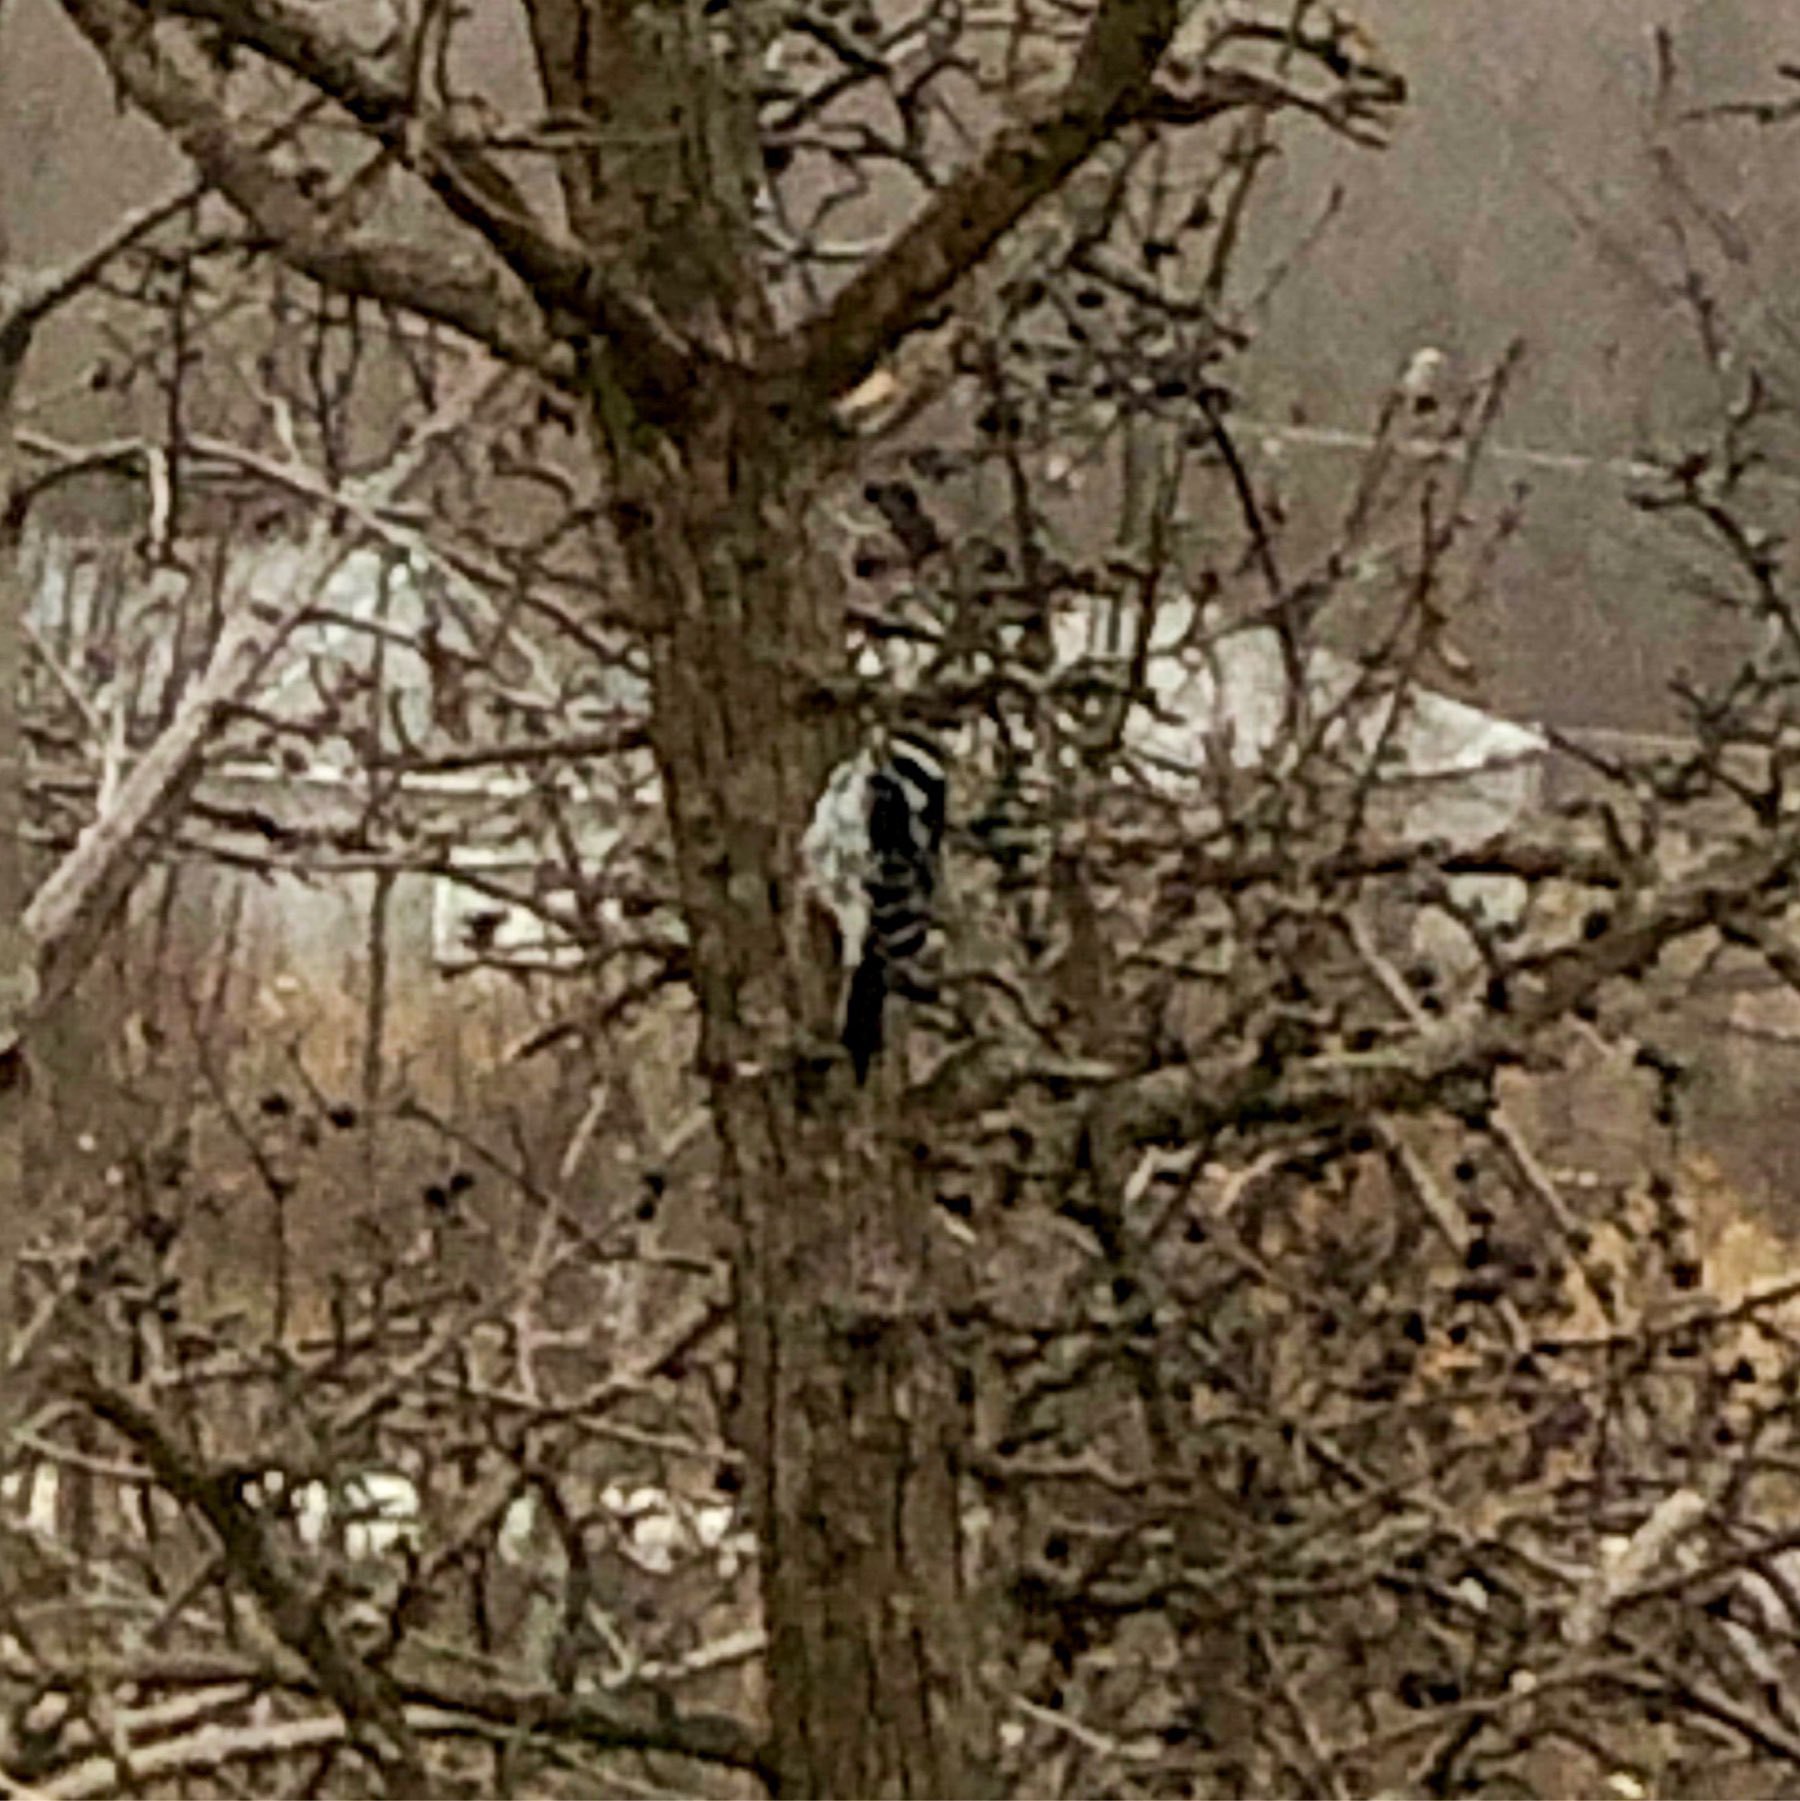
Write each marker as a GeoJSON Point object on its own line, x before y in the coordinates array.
{"type": "Point", "coordinates": [1561, 462]}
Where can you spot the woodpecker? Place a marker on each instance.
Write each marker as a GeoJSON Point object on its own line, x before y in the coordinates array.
{"type": "Point", "coordinates": [871, 856]}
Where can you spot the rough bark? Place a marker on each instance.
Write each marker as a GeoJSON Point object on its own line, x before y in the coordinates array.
{"type": "Point", "coordinates": [845, 1406]}
{"type": "Point", "coordinates": [846, 1409]}
{"type": "Point", "coordinates": [16, 963]}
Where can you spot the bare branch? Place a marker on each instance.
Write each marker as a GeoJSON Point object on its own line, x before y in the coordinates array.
{"type": "Point", "coordinates": [365, 1697]}
{"type": "Point", "coordinates": [1337, 1088]}
{"type": "Point", "coordinates": [654, 365]}
{"type": "Point", "coordinates": [72, 909]}
{"type": "Point", "coordinates": [891, 297]}
{"type": "Point", "coordinates": [30, 299]}
{"type": "Point", "coordinates": [482, 303]}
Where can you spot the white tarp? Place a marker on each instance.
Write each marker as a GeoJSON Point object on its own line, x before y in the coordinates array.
{"type": "Point", "coordinates": [1456, 775]}
{"type": "Point", "coordinates": [1471, 771]}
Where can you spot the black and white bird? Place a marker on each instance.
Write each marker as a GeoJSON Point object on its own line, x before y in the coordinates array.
{"type": "Point", "coordinates": [871, 856]}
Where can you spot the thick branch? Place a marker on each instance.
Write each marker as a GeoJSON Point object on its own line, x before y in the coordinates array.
{"type": "Point", "coordinates": [1111, 83]}
{"type": "Point", "coordinates": [212, 1748]}
{"type": "Point", "coordinates": [1345, 1088]}
{"type": "Point", "coordinates": [599, 1723]}
{"type": "Point", "coordinates": [655, 365]}
{"type": "Point", "coordinates": [74, 908]}
{"type": "Point", "coordinates": [481, 303]}
{"type": "Point", "coordinates": [298, 1616]}
{"type": "Point", "coordinates": [18, 979]}
{"type": "Point", "coordinates": [571, 747]}
{"type": "Point", "coordinates": [303, 43]}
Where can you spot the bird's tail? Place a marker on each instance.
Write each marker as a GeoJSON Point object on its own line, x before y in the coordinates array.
{"type": "Point", "coordinates": [862, 1014]}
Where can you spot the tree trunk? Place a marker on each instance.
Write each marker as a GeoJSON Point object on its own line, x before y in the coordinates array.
{"type": "Point", "coordinates": [846, 1402]}
{"type": "Point", "coordinates": [17, 966]}
{"type": "Point", "coordinates": [847, 1411]}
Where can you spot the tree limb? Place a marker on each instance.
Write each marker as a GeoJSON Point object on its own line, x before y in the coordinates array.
{"type": "Point", "coordinates": [1203, 1100]}
{"type": "Point", "coordinates": [656, 365]}
{"type": "Point", "coordinates": [597, 1726]}
{"type": "Point", "coordinates": [482, 303]}
{"type": "Point", "coordinates": [26, 300]}
{"type": "Point", "coordinates": [1111, 83]}
{"type": "Point", "coordinates": [68, 915]}
{"type": "Point", "coordinates": [365, 1697]}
